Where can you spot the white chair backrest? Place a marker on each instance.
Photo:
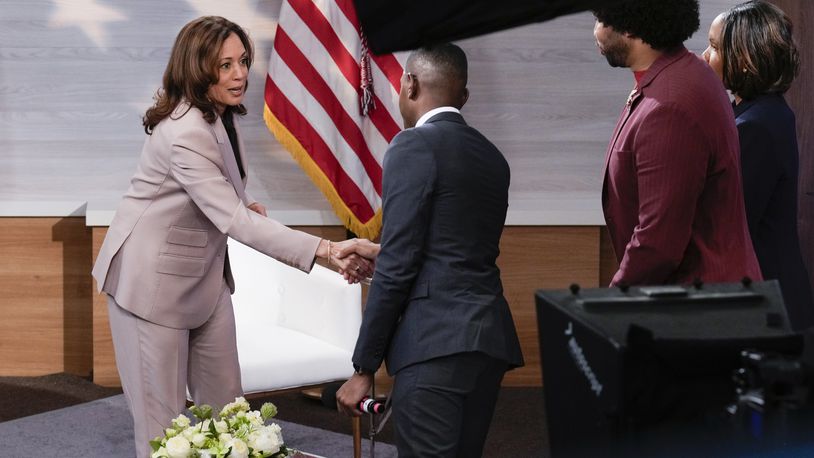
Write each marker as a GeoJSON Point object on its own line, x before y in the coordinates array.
{"type": "Point", "coordinates": [269, 293]}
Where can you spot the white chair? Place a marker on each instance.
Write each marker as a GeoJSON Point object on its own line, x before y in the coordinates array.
{"type": "Point", "coordinates": [294, 330]}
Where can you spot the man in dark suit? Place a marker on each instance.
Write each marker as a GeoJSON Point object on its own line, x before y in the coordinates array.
{"type": "Point", "coordinates": [436, 305]}
{"type": "Point", "coordinates": [672, 192]}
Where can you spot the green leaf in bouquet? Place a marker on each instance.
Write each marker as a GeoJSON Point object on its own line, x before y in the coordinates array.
{"type": "Point", "coordinates": [155, 444]}
{"type": "Point", "coordinates": [284, 452]}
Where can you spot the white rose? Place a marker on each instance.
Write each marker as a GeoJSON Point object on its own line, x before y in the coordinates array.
{"type": "Point", "coordinates": [276, 431]}
{"type": "Point", "coordinates": [240, 404]}
{"type": "Point", "coordinates": [221, 426]}
{"type": "Point", "coordinates": [239, 449]}
{"type": "Point", "coordinates": [180, 422]}
{"type": "Point", "coordinates": [265, 440]}
{"type": "Point", "coordinates": [198, 439]}
{"type": "Point", "coordinates": [188, 433]}
{"type": "Point", "coordinates": [225, 438]}
{"type": "Point", "coordinates": [160, 453]}
{"type": "Point", "coordinates": [178, 447]}
{"type": "Point", "coordinates": [254, 418]}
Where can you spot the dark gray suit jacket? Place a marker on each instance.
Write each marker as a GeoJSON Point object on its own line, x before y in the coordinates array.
{"type": "Point", "coordinates": [437, 290]}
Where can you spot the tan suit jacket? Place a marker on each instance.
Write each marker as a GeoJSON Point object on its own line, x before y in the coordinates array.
{"type": "Point", "coordinates": [164, 257]}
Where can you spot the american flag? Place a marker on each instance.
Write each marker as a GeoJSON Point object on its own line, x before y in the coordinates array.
{"type": "Point", "coordinates": [334, 106]}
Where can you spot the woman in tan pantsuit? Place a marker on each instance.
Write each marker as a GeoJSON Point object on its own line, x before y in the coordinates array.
{"type": "Point", "coordinates": [163, 263]}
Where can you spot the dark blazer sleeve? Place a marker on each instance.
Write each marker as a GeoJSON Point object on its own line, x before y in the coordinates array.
{"type": "Point", "coordinates": [407, 187]}
{"type": "Point", "coordinates": [760, 170]}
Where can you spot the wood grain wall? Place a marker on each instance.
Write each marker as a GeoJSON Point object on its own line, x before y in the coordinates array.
{"type": "Point", "coordinates": [46, 300]}
{"type": "Point", "coordinates": [799, 97]}
{"type": "Point", "coordinates": [531, 258]}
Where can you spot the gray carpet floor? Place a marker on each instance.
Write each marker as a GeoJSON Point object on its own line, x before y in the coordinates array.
{"type": "Point", "coordinates": [104, 428]}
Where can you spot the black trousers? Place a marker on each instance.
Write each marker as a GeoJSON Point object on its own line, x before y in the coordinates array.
{"type": "Point", "coordinates": [443, 407]}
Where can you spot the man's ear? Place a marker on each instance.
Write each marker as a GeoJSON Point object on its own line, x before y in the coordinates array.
{"type": "Point", "coordinates": [412, 88]}
{"type": "Point", "coordinates": [464, 96]}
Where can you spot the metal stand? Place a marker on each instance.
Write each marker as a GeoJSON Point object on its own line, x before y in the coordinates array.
{"type": "Point", "coordinates": [376, 429]}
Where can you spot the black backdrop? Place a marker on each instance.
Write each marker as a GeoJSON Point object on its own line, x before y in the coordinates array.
{"type": "Point", "coordinates": [402, 25]}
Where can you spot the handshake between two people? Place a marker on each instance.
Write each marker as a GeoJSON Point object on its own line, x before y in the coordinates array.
{"type": "Point", "coordinates": [355, 258]}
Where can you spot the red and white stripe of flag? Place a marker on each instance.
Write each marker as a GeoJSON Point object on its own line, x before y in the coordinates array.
{"type": "Point", "coordinates": [312, 105]}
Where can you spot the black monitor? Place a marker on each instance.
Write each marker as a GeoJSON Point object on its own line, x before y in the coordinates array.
{"type": "Point", "coordinates": [649, 371]}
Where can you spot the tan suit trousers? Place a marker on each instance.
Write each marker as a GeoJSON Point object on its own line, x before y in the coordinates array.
{"type": "Point", "coordinates": [157, 363]}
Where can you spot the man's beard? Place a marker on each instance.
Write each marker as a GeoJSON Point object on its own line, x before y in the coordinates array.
{"type": "Point", "coordinates": [616, 53]}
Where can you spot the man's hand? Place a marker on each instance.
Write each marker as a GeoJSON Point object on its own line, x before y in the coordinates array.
{"type": "Point", "coordinates": [356, 247]}
{"type": "Point", "coordinates": [258, 208]}
{"type": "Point", "coordinates": [355, 258]}
{"type": "Point", "coordinates": [351, 393]}
{"type": "Point", "coordinates": [353, 267]}
{"type": "Point", "coordinates": [362, 247]}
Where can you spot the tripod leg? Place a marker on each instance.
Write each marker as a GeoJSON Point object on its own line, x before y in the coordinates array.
{"type": "Point", "coordinates": [357, 437]}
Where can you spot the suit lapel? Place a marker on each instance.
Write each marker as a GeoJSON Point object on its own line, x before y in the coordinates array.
{"type": "Point", "coordinates": [635, 94]}
{"type": "Point", "coordinates": [242, 154]}
{"type": "Point", "coordinates": [229, 158]}
{"type": "Point", "coordinates": [242, 151]}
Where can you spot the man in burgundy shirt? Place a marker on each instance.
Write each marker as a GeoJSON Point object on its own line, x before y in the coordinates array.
{"type": "Point", "coordinates": [672, 192]}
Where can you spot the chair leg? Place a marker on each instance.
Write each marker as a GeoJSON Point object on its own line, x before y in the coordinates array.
{"type": "Point", "coordinates": [357, 436]}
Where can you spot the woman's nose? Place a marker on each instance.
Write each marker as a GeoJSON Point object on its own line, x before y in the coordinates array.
{"type": "Point", "coordinates": [240, 72]}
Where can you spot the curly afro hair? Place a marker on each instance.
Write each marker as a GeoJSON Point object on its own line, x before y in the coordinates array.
{"type": "Point", "coordinates": [663, 24]}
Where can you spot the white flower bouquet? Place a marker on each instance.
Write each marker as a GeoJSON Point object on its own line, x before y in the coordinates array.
{"type": "Point", "coordinates": [236, 432]}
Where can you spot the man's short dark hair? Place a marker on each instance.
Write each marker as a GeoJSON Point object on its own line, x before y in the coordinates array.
{"type": "Point", "coordinates": [663, 24]}
{"type": "Point", "coordinates": [447, 58]}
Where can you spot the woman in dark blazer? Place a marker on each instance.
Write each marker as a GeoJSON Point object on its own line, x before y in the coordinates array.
{"type": "Point", "coordinates": [751, 48]}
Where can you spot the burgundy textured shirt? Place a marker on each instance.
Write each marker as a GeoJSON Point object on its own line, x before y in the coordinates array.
{"type": "Point", "coordinates": [672, 193]}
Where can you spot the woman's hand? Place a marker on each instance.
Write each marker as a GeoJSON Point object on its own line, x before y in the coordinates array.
{"type": "Point", "coordinates": [258, 208]}
{"type": "Point", "coordinates": [356, 248]}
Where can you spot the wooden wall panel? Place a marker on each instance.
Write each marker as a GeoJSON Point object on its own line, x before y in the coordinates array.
{"type": "Point", "coordinates": [799, 96]}
{"type": "Point", "coordinates": [533, 258]}
{"type": "Point", "coordinates": [104, 362]}
{"type": "Point", "coordinates": [46, 297]}
{"type": "Point", "coordinates": [608, 265]}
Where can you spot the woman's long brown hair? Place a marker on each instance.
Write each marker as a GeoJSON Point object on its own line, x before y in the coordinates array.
{"type": "Point", "coordinates": [193, 68]}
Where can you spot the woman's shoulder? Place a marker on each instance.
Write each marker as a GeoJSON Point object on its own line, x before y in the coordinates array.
{"type": "Point", "coordinates": [765, 109]}
{"type": "Point", "coordinates": [184, 117]}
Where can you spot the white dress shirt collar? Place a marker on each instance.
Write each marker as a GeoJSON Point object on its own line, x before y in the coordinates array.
{"type": "Point", "coordinates": [426, 116]}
